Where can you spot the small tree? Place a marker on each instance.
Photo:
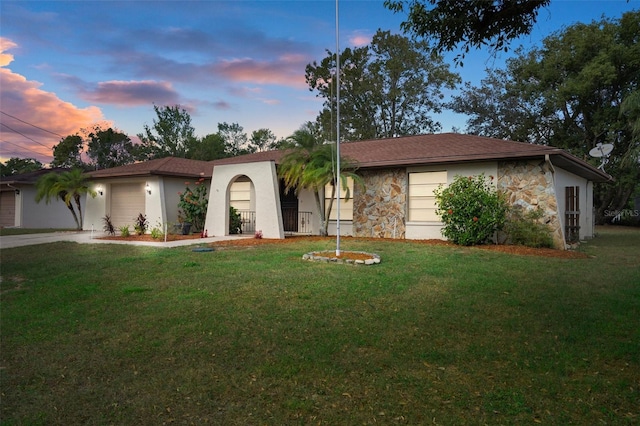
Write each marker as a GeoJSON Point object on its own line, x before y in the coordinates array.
{"type": "Point", "coordinates": [193, 204]}
{"type": "Point", "coordinates": [471, 210]}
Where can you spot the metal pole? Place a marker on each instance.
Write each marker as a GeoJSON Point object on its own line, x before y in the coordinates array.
{"type": "Point", "coordinates": [337, 133]}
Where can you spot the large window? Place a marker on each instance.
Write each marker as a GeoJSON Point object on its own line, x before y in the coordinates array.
{"type": "Point", "coordinates": [240, 195]}
{"type": "Point", "coordinates": [422, 201]}
{"type": "Point", "coordinates": [346, 207]}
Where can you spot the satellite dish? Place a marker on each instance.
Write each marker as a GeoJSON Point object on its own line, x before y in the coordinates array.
{"type": "Point", "coordinates": [601, 151]}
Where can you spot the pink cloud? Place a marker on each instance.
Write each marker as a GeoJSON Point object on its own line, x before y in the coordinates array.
{"type": "Point", "coordinates": [41, 118]}
{"type": "Point", "coordinates": [286, 71]}
{"type": "Point", "coordinates": [359, 39]}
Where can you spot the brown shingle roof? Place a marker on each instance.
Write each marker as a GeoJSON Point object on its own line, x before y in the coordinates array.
{"type": "Point", "coordinates": [168, 166]}
{"type": "Point", "coordinates": [405, 151]}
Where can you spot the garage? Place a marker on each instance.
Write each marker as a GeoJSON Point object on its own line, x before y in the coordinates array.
{"type": "Point", "coordinates": [127, 202]}
{"type": "Point", "coordinates": [7, 208]}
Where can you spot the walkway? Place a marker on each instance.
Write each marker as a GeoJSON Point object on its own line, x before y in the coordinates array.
{"type": "Point", "coordinates": [89, 237]}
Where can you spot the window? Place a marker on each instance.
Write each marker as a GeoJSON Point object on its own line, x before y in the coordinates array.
{"type": "Point", "coordinates": [346, 207]}
{"type": "Point", "coordinates": [240, 195]}
{"type": "Point", "coordinates": [422, 201]}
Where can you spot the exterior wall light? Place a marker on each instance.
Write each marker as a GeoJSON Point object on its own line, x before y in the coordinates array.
{"type": "Point", "coordinates": [100, 190]}
{"type": "Point", "coordinates": [148, 188]}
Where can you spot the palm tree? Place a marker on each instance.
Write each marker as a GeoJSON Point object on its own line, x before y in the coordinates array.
{"type": "Point", "coordinates": [311, 165]}
{"type": "Point", "coordinates": [68, 186]}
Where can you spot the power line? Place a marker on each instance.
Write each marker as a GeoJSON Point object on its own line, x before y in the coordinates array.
{"type": "Point", "coordinates": [22, 147]}
{"type": "Point", "coordinates": [29, 124]}
{"type": "Point", "coordinates": [22, 134]}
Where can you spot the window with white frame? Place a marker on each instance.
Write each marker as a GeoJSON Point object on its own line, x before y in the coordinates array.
{"type": "Point", "coordinates": [346, 207]}
{"type": "Point", "coordinates": [240, 195]}
{"type": "Point", "coordinates": [422, 200]}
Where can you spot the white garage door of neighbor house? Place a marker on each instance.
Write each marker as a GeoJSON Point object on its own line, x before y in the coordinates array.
{"type": "Point", "coordinates": [127, 202]}
{"type": "Point", "coordinates": [7, 208]}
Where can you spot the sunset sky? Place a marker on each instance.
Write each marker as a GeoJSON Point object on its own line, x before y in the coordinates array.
{"type": "Point", "coordinates": [65, 66]}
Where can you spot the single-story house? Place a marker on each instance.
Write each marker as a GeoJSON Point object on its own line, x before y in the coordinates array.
{"type": "Point", "coordinates": [397, 201]}
{"type": "Point", "coordinates": [18, 207]}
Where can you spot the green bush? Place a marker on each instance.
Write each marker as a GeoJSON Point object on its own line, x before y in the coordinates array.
{"type": "Point", "coordinates": [124, 230]}
{"type": "Point", "coordinates": [235, 221]}
{"type": "Point", "coordinates": [524, 228]}
{"type": "Point", "coordinates": [471, 209]}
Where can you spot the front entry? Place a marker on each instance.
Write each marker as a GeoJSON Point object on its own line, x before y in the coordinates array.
{"type": "Point", "coordinates": [289, 205]}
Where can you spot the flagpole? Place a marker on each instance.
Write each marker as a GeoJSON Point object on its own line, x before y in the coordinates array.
{"type": "Point", "coordinates": [338, 192]}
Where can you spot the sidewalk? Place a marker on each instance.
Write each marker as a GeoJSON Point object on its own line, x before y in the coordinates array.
{"type": "Point", "coordinates": [89, 237]}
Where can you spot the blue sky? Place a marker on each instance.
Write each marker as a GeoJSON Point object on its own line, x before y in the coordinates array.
{"type": "Point", "coordinates": [65, 66]}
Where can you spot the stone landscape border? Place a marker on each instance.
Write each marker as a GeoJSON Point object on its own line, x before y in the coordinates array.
{"type": "Point", "coordinates": [317, 256]}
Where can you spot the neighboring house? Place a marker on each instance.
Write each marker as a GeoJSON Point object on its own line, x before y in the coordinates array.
{"type": "Point", "coordinates": [18, 207]}
{"type": "Point", "coordinates": [397, 201]}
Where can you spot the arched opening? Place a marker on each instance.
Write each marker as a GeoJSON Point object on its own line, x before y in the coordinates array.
{"type": "Point", "coordinates": [242, 197]}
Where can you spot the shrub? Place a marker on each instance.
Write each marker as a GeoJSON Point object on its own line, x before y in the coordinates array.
{"type": "Point", "coordinates": [525, 228]}
{"type": "Point", "coordinates": [156, 233]}
{"type": "Point", "coordinates": [108, 225]}
{"type": "Point", "coordinates": [471, 210]}
{"type": "Point", "coordinates": [124, 230]}
{"type": "Point", "coordinates": [193, 204]}
{"type": "Point", "coordinates": [141, 224]}
{"type": "Point", "coordinates": [235, 221]}
{"type": "Point", "coordinates": [258, 235]}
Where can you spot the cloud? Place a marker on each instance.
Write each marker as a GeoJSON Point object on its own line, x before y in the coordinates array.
{"type": "Point", "coordinates": [360, 38]}
{"type": "Point", "coordinates": [132, 93]}
{"type": "Point", "coordinates": [285, 71]}
{"type": "Point", "coordinates": [41, 117]}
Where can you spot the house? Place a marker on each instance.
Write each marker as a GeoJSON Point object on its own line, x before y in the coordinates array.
{"type": "Point", "coordinates": [397, 200]}
{"type": "Point", "coordinates": [18, 207]}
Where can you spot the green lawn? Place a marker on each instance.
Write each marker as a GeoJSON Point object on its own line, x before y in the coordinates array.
{"type": "Point", "coordinates": [129, 335]}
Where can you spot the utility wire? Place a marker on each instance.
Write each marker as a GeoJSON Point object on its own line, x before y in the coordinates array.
{"type": "Point", "coordinates": [32, 125]}
{"type": "Point", "coordinates": [22, 134]}
{"type": "Point", "coordinates": [21, 147]}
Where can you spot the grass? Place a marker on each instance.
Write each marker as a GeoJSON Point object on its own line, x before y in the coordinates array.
{"type": "Point", "coordinates": [106, 334]}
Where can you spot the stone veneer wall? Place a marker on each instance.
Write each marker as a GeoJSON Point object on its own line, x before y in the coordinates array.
{"type": "Point", "coordinates": [529, 184]}
{"type": "Point", "coordinates": [379, 209]}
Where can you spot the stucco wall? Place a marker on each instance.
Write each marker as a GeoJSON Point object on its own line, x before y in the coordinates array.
{"type": "Point", "coordinates": [54, 215]}
{"type": "Point", "coordinates": [563, 179]}
{"type": "Point", "coordinates": [530, 184]}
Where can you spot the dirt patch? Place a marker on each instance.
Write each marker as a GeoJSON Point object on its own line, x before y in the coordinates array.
{"type": "Point", "coordinates": [511, 249]}
{"type": "Point", "coordinates": [149, 238]}
{"type": "Point", "coordinates": [251, 242]}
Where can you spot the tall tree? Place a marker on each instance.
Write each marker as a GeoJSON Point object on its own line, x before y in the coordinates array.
{"type": "Point", "coordinates": [388, 88]}
{"type": "Point", "coordinates": [69, 186]}
{"type": "Point", "coordinates": [448, 24]}
{"type": "Point", "coordinates": [311, 165]}
{"type": "Point", "coordinates": [17, 166]}
{"type": "Point", "coordinates": [235, 139]}
{"type": "Point", "coordinates": [170, 135]}
{"type": "Point", "coordinates": [211, 147]}
{"type": "Point", "coordinates": [68, 153]}
{"type": "Point", "coordinates": [262, 140]}
{"type": "Point", "coordinates": [109, 148]}
{"type": "Point", "coordinates": [570, 93]}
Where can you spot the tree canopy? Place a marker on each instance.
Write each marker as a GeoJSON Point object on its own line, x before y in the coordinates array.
{"type": "Point", "coordinates": [387, 88]}
{"type": "Point", "coordinates": [17, 166]}
{"type": "Point", "coordinates": [450, 24]}
{"type": "Point", "coordinates": [170, 135]}
{"type": "Point", "coordinates": [578, 89]}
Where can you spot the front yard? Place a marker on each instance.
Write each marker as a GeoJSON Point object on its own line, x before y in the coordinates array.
{"type": "Point", "coordinates": [113, 334]}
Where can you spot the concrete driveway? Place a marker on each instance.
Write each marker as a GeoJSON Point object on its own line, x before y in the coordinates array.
{"type": "Point", "coordinates": [89, 237]}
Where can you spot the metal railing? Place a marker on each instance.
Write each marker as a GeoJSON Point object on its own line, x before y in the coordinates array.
{"type": "Point", "coordinates": [248, 219]}
{"type": "Point", "coordinates": [293, 220]}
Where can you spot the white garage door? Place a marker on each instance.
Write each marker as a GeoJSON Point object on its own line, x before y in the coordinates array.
{"type": "Point", "coordinates": [7, 208]}
{"type": "Point", "coordinates": [127, 202]}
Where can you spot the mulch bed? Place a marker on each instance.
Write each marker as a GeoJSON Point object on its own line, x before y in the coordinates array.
{"type": "Point", "coordinates": [249, 242]}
